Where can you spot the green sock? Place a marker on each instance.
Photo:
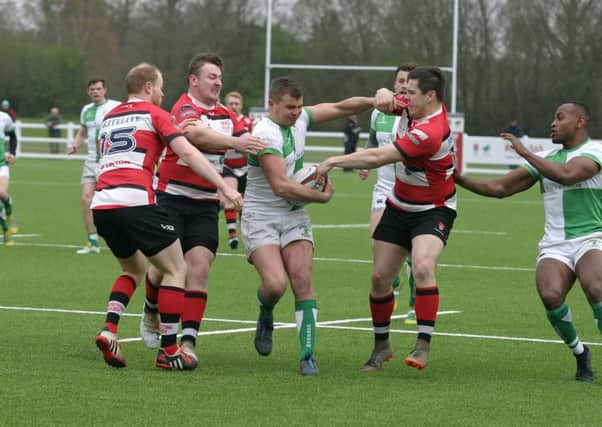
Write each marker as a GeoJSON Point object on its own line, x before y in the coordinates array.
{"type": "Point", "coordinates": [562, 322]}
{"type": "Point", "coordinates": [8, 206]}
{"type": "Point", "coordinates": [93, 239]}
{"type": "Point", "coordinates": [411, 283]}
{"type": "Point", "coordinates": [266, 311]}
{"type": "Point", "coordinates": [396, 283]}
{"type": "Point", "coordinates": [306, 315]}
{"type": "Point", "coordinates": [597, 308]}
{"type": "Point", "coordinates": [3, 222]}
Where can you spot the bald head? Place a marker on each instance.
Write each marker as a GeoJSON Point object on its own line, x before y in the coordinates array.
{"type": "Point", "coordinates": [570, 123]}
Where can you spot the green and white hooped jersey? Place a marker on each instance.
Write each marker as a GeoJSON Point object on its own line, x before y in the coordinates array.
{"type": "Point", "coordinates": [288, 143]}
{"type": "Point", "coordinates": [571, 211]}
{"type": "Point", "coordinates": [6, 125]}
{"type": "Point", "coordinates": [91, 118]}
{"type": "Point", "coordinates": [386, 129]}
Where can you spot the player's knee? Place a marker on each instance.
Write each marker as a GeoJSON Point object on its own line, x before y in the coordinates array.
{"type": "Point", "coordinates": [423, 270]}
{"type": "Point", "coordinates": [276, 284]}
{"type": "Point", "coordinates": [551, 298]}
{"type": "Point", "coordinates": [380, 281]}
{"type": "Point", "coordinates": [301, 281]}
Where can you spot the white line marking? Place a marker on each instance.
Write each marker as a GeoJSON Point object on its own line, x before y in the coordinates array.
{"type": "Point", "coordinates": [26, 235]}
{"type": "Point", "coordinates": [330, 324]}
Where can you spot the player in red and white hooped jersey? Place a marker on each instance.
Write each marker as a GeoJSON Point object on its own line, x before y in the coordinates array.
{"type": "Point", "coordinates": [132, 137]}
{"type": "Point", "coordinates": [235, 166]}
{"type": "Point", "coordinates": [420, 211]}
{"type": "Point", "coordinates": [193, 202]}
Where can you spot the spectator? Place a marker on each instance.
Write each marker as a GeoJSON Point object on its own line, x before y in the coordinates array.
{"type": "Point", "coordinates": [351, 132]}
{"type": "Point", "coordinates": [53, 119]}
{"type": "Point", "coordinates": [514, 129]}
{"type": "Point", "coordinates": [5, 106]}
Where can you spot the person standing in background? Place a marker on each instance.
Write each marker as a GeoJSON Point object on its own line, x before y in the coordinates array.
{"type": "Point", "coordinates": [52, 121]}
{"type": "Point", "coordinates": [235, 166]}
{"type": "Point", "coordinates": [351, 135]}
{"type": "Point", "coordinates": [90, 119]}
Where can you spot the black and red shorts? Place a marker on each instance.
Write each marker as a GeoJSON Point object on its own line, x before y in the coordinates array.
{"type": "Point", "coordinates": [400, 227]}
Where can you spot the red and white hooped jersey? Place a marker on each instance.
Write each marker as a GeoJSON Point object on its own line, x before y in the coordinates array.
{"type": "Point", "coordinates": [424, 180]}
{"type": "Point", "coordinates": [131, 139]}
{"type": "Point", "coordinates": [174, 175]}
{"type": "Point", "coordinates": [233, 158]}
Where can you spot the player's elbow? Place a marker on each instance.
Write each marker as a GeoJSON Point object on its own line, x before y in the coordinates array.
{"type": "Point", "coordinates": [280, 188]}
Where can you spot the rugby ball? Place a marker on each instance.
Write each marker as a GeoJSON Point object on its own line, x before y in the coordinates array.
{"type": "Point", "coordinates": [307, 176]}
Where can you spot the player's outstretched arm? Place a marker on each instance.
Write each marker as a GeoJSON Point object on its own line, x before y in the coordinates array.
{"type": "Point", "coordinates": [576, 170]}
{"type": "Point", "coordinates": [210, 140]}
{"type": "Point", "coordinates": [337, 110]}
{"type": "Point", "coordinates": [202, 167]}
{"type": "Point", "coordinates": [366, 159]}
{"type": "Point", "coordinates": [514, 182]}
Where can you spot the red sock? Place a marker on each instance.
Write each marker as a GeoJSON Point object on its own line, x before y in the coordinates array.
{"type": "Point", "coordinates": [152, 296]}
{"type": "Point", "coordinates": [171, 305]}
{"type": "Point", "coordinates": [381, 309]}
{"type": "Point", "coordinates": [426, 306]}
{"type": "Point", "coordinates": [120, 296]}
{"type": "Point", "coordinates": [194, 310]}
{"type": "Point", "coordinates": [230, 215]}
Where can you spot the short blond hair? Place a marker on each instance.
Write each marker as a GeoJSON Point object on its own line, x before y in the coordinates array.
{"type": "Point", "coordinates": [234, 94]}
{"type": "Point", "coordinates": [139, 75]}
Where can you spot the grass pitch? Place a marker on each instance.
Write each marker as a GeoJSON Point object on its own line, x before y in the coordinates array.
{"type": "Point", "coordinates": [495, 360]}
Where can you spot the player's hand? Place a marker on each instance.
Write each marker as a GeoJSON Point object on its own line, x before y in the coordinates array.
{"type": "Point", "coordinates": [71, 149]}
{"type": "Point", "coordinates": [191, 122]}
{"type": "Point", "coordinates": [233, 196]}
{"type": "Point", "coordinates": [328, 191]}
{"type": "Point", "coordinates": [363, 174]}
{"type": "Point", "coordinates": [10, 159]}
{"type": "Point", "coordinates": [323, 169]}
{"type": "Point", "coordinates": [384, 100]}
{"type": "Point", "coordinates": [518, 146]}
{"type": "Point", "coordinates": [249, 144]}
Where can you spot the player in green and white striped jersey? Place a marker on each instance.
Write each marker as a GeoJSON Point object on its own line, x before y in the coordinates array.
{"type": "Point", "coordinates": [90, 119]}
{"type": "Point", "coordinates": [7, 223]}
{"type": "Point", "coordinates": [276, 228]}
{"type": "Point", "coordinates": [570, 179]}
{"type": "Point", "coordinates": [384, 129]}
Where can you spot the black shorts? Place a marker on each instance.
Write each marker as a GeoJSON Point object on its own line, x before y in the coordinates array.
{"type": "Point", "coordinates": [242, 180]}
{"type": "Point", "coordinates": [147, 228]}
{"type": "Point", "coordinates": [195, 221]}
{"type": "Point", "coordinates": [399, 227]}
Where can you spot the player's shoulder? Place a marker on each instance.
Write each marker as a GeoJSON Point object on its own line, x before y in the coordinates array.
{"type": "Point", "coordinates": [435, 126]}
{"type": "Point", "coordinates": [184, 107]}
{"type": "Point", "coordinates": [5, 117]}
{"type": "Point", "coordinates": [265, 126]}
{"type": "Point", "coordinates": [87, 107]}
{"type": "Point", "coordinates": [112, 103]}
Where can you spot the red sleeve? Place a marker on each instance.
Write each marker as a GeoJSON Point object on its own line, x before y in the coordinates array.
{"type": "Point", "coordinates": [419, 141]}
{"type": "Point", "coordinates": [401, 104]}
{"type": "Point", "coordinates": [165, 126]}
{"type": "Point", "coordinates": [183, 110]}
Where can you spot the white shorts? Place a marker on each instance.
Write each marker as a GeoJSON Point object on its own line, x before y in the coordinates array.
{"type": "Point", "coordinates": [90, 172]}
{"type": "Point", "coordinates": [379, 197]}
{"type": "Point", "coordinates": [262, 230]}
{"type": "Point", "coordinates": [569, 252]}
{"type": "Point", "coordinates": [5, 171]}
